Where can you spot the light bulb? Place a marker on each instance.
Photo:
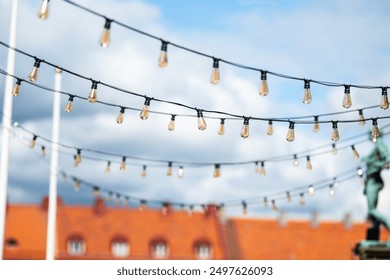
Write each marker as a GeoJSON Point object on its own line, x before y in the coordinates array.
{"type": "Point", "coordinates": [354, 152]}
{"type": "Point", "coordinates": [270, 129]}
{"type": "Point", "coordinates": [384, 104]}
{"type": "Point", "coordinates": [117, 199]}
{"type": "Point", "coordinates": [244, 208]}
{"type": "Point", "coordinates": [144, 173]}
{"type": "Point", "coordinates": [171, 126]}
{"type": "Point", "coordinates": [169, 171]}
{"type": "Point", "coordinates": [122, 166]}
{"type": "Point", "coordinates": [217, 171]}
{"type": "Point", "coordinates": [245, 129]}
{"type": "Point", "coordinates": [331, 190]}
{"type": "Point", "coordinates": [295, 161]}
{"type": "Point", "coordinates": [108, 167]}
{"type": "Point", "coordinates": [76, 185]}
{"type": "Point", "coordinates": [334, 149]}
{"type": "Point", "coordinates": [96, 191]}
{"type": "Point", "coordinates": [221, 128]}
{"type": "Point", "coordinates": [64, 177]}
{"type": "Point", "coordinates": [77, 159]}
{"type": "Point", "coordinates": [142, 205]}
{"type": "Point", "coordinates": [43, 151]}
{"type": "Point", "coordinates": [127, 200]}
{"type": "Point", "coordinates": [163, 58]}
{"type": "Point", "coordinates": [316, 127]}
{"type": "Point", "coordinates": [215, 72]}
{"type": "Point", "coordinates": [360, 171]}
{"type": "Point", "coordinates": [262, 169]}
{"type": "Point", "coordinates": [43, 11]}
{"type": "Point", "coordinates": [289, 199]}
{"type": "Point", "coordinates": [34, 72]}
{"type": "Point", "coordinates": [336, 184]}
{"type": "Point", "coordinates": [201, 121]}
{"type": "Point", "coordinates": [335, 132]}
{"type": "Point", "coordinates": [16, 89]}
{"type": "Point", "coordinates": [362, 120]}
{"type": "Point", "coordinates": [190, 210]}
{"type": "Point", "coordinates": [121, 116]}
{"type": "Point", "coordinates": [263, 89]}
{"type": "Point", "coordinates": [311, 190]}
{"type": "Point", "coordinates": [110, 194]}
{"type": "Point", "coordinates": [347, 102]}
{"type": "Point", "coordinates": [69, 105]}
{"type": "Point", "coordinates": [180, 172]}
{"type": "Point", "coordinates": [309, 166]}
{"type": "Point", "coordinates": [105, 37]}
{"type": "Point", "coordinates": [144, 115]}
{"type": "Point", "coordinates": [290, 133]}
{"type": "Point", "coordinates": [33, 141]}
{"type": "Point", "coordinates": [92, 97]}
{"type": "Point", "coordinates": [302, 199]}
{"type": "Point", "coordinates": [274, 208]}
{"type": "Point", "coordinates": [307, 93]}
{"type": "Point", "coordinates": [265, 202]}
{"type": "Point", "coordinates": [375, 130]}
{"type": "Point", "coordinates": [257, 169]}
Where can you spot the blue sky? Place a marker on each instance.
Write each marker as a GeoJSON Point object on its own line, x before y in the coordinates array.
{"type": "Point", "coordinates": [337, 41]}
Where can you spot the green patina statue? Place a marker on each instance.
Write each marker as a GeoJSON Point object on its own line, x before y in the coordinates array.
{"type": "Point", "coordinates": [376, 161]}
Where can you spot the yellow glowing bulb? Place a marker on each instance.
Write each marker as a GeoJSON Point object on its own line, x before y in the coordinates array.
{"type": "Point", "coordinates": [169, 171]}
{"type": "Point", "coordinates": [347, 101]}
{"type": "Point", "coordinates": [245, 129]}
{"type": "Point", "coordinates": [122, 166]}
{"type": "Point", "coordinates": [335, 132]}
{"type": "Point", "coordinates": [144, 115]}
{"type": "Point", "coordinates": [221, 128]}
{"type": "Point", "coordinates": [96, 191]}
{"type": "Point", "coordinates": [263, 89]}
{"type": "Point", "coordinates": [33, 76]}
{"type": "Point", "coordinates": [274, 208]}
{"type": "Point", "coordinates": [355, 152]}
{"type": "Point", "coordinates": [316, 127]}
{"type": "Point", "coordinates": [108, 167]}
{"type": "Point", "coordinates": [105, 37]}
{"type": "Point", "coordinates": [309, 166]}
{"type": "Point", "coordinates": [290, 133]}
{"type": "Point", "coordinates": [201, 121]}
{"type": "Point", "coordinates": [270, 129]}
{"type": "Point", "coordinates": [362, 120]}
{"type": "Point", "coordinates": [16, 89]}
{"type": "Point", "coordinates": [171, 126]}
{"type": "Point", "coordinates": [144, 172]}
{"type": "Point", "coordinates": [384, 104]}
{"type": "Point", "coordinates": [217, 171]}
{"type": "Point", "coordinates": [121, 116]}
{"type": "Point", "coordinates": [334, 149]}
{"type": "Point", "coordinates": [163, 58]}
{"type": "Point", "coordinates": [307, 93]}
{"type": "Point", "coordinates": [76, 185]}
{"type": "Point", "coordinates": [215, 72]}
{"type": "Point", "coordinates": [33, 141]}
{"type": "Point", "coordinates": [43, 149]}
{"type": "Point", "coordinates": [257, 169]}
{"type": "Point", "coordinates": [69, 105]}
{"type": "Point", "coordinates": [43, 11]}
{"type": "Point", "coordinates": [262, 169]}
{"type": "Point", "coordinates": [92, 97]}
{"type": "Point", "coordinates": [302, 199]}
{"type": "Point", "coordinates": [375, 130]}
{"type": "Point", "coordinates": [77, 158]}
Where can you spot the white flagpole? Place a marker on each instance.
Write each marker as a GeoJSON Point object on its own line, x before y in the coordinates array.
{"type": "Point", "coordinates": [52, 210]}
{"type": "Point", "coordinates": [7, 126]}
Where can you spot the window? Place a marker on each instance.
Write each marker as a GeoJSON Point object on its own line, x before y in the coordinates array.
{"type": "Point", "coordinates": [120, 248]}
{"type": "Point", "coordinates": [76, 247]}
{"type": "Point", "coordinates": [203, 251]}
{"type": "Point", "coordinates": [159, 249]}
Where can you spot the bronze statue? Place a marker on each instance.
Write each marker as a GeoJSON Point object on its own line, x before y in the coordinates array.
{"type": "Point", "coordinates": [376, 161]}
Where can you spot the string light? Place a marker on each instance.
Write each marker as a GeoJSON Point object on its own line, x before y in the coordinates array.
{"type": "Point", "coordinates": [180, 172]}
{"type": "Point", "coordinates": [265, 202]}
{"type": "Point", "coordinates": [105, 37]}
{"type": "Point", "coordinates": [96, 191]}
{"type": "Point", "coordinates": [263, 89]}
{"type": "Point", "coordinates": [336, 184]}
{"type": "Point", "coordinates": [309, 166]}
{"type": "Point", "coordinates": [144, 115]}
{"type": "Point", "coordinates": [144, 172]}
{"type": "Point", "coordinates": [43, 11]}
{"type": "Point", "coordinates": [335, 132]}
{"type": "Point", "coordinates": [302, 199]}
{"type": "Point", "coordinates": [274, 208]}
{"type": "Point", "coordinates": [244, 208]}
{"type": "Point", "coordinates": [142, 205]}
{"type": "Point", "coordinates": [217, 170]}
{"type": "Point", "coordinates": [92, 97]}
{"type": "Point", "coordinates": [289, 199]}
{"type": "Point", "coordinates": [119, 119]}
{"type": "Point", "coordinates": [354, 152]}
{"type": "Point", "coordinates": [169, 171]}
{"type": "Point", "coordinates": [311, 190]}
{"type": "Point", "coordinates": [43, 151]}
{"type": "Point", "coordinates": [202, 125]}
{"type": "Point", "coordinates": [316, 126]}
{"type": "Point", "coordinates": [190, 210]}
{"type": "Point", "coordinates": [245, 128]}
{"type": "Point", "coordinates": [362, 120]}
{"type": "Point", "coordinates": [361, 177]}
{"type": "Point", "coordinates": [290, 133]}
{"type": "Point", "coordinates": [295, 161]}
{"type": "Point", "coordinates": [76, 185]}
{"type": "Point", "coordinates": [375, 130]}
{"type": "Point", "coordinates": [270, 129]}
{"type": "Point", "coordinates": [171, 126]}
{"type": "Point", "coordinates": [334, 149]}
{"type": "Point", "coordinates": [221, 128]}
{"type": "Point", "coordinates": [307, 92]}
{"type": "Point", "coordinates": [347, 101]}
{"type": "Point", "coordinates": [33, 141]}
{"type": "Point", "coordinates": [33, 76]}
{"type": "Point", "coordinates": [69, 105]}
{"type": "Point", "coordinates": [118, 199]}
{"type": "Point", "coordinates": [163, 58]}
{"type": "Point", "coordinates": [108, 167]}
{"type": "Point", "coordinates": [77, 158]}
{"type": "Point", "coordinates": [257, 169]}
{"type": "Point", "coordinates": [331, 190]}
{"type": "Point", "coordinates": [164, 209]}
{"type": "Point", "coordinates": [16, 89]}
{"type": "Point", "coordinates": [384, 103]}
{"type": "Point", "coordinates": [214, 79]}
{"type": "Point", "coordinates": [262, 169]}
{"type": "Point", "coordinates": [122, 166]}
{"type": "Point", "coordinates": [110, 194]}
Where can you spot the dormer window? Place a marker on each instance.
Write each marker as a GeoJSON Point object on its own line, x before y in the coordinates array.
{"type": "Point", "coordinates": [76, 246]}
{"type": "Point", "coordinates": [120, 248]}
{"type": "Point", "coordinates": [159, 249]}
{"type": "Point", "coordinates": [203, 251]}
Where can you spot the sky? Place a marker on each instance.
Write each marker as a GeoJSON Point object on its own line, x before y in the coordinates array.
{"type": "Point", "coordinates": [343, 42]}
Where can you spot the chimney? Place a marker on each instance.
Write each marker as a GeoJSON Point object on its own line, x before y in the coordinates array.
{"type": "Point", "coordinates": [314, 219]}
{"type": "Point", "coordinates": [99, 207]}
{"type": "Point", "coordinates": [347, 221]}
